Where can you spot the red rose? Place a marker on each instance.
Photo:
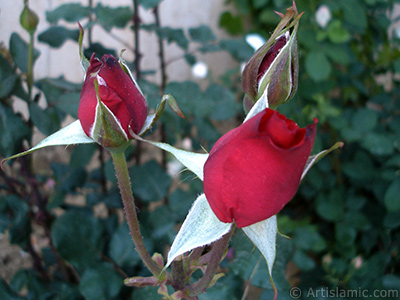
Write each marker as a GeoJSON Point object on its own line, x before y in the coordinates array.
{"type": "Point", "coordinates": [255, 169]}
{"type": "Point", "coordinates": [117, 91]}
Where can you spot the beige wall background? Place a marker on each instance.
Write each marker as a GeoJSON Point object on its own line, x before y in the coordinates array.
{"type": "Point", "coordinates": [174, 13]}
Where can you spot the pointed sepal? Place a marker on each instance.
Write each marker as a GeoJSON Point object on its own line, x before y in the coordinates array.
{"type": "Point", "coordinates": [70, 135]}
{"type": "Point", "coordinates": [191, 160]}
{"type": "Point", "coordinates": [263, 236]}
{"type": "Point", "coordinates": [85, 63]}
{"type": "Point", "coordinates": [259, 106]}
{"type": "Point", "coordinates": [313, 159]}
{"type": "Point", "coordinates": [201, 227]}
{"type": "Point", "coordinates": [153, 118]}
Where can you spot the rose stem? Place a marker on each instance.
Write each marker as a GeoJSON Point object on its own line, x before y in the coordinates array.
{"type": "Point", "coordinates": [218, 251]}
{"type": "Point", "coordinates": [124, 184]}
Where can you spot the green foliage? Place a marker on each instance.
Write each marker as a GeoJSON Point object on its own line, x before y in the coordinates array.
{"type": "Point", "coordinates": [19, 52]}
{"type": "Point", "coordinates": [56, 36]}
{"type": "Point", "coordinates": [343, 224]}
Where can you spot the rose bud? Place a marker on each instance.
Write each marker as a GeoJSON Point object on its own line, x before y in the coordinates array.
{"type": "Point", "coordinates": [111, 103]}
{"type": "Point", "coordinates": [28, 19]}
{"type": "Point", "coordinates": [255, 169]}
{"type": "Point", "coordinates": [272, 71]}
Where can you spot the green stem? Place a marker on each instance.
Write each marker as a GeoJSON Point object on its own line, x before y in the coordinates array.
{"type": "Point", "coordinates": [30, 66]}
{"type": "Point", "coordinates": [218, 251]}
{"type": "Point", "coordinates": [124, 183]}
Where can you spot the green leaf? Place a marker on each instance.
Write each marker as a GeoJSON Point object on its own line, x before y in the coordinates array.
{"type": "Point", "coordinates": [6, 293]}
{"type": "Point", "coordinates": [70, 12]}
{"type": "Point", "coordinates": [330, 206]}
{"type": "Point", "coordinates": [145, 293]}
{"type": "Point", "coordinates": [201, 34]}
{"type": "Point", "coordinates": [336, 33]}
{"type": "Point", "coordinates": [149, 4]}
{"type": "Point", "coordinates": [68, 103]}
{"type": "Point", "coordinates": [251, 266]}
{"type": "Point", "coordinates": [45, 120]}
{"type": "Point", "coordinates": [20, 229]}
{"type": "Point", "coordinates": [8, 78]}
{"type": "Point", "coordinates": [72, 134]}
{"type": "Point", "coordinates": [82, 155]}
{"type": "Point", "coordinates": [392, 220]}
{"type": "Point", "coordinates": [201, 227]}
{"type": "Point", "coordinates": [62, 94]}
{"type": "Point", "coordinates": [303, 261]}
{"type": "Point", "coordinates": [99, 49]}
{"type": "Point", "coordinates": [354, 14]}
{"type": "Point", "coordinates": [19, 50]}
{"type": "Point", "coordinates": [100, 282]}
{"type": "Point", "coordinates": [392, 196]}
{"type": "Point", "coordinates": [228, 288]}
{"type": "Point", "coordinates": [13, 131]}
{"type": "Point", "coordinates": [190, 59]}
{"type": "Point", "coordinates": [378, 144]}
{"type": "Point", "coordinates": [391, 281]}
{"type": "Point", "coordinates": [78, 237]}
{"type": "Point", "coordinates": [345, 234]}
{"type": "Point", "coordinates": [232, 24]}
{"type": "Point", "coordinates": [364, 120]}
{"type": "Point", "coordinates": [317, 66]}
{"type": "Point", "coordinates": [308, 238]}
{"type": "Point", "coordinates": [239, 49]}
{"type": "Point", "coordinates": [189, 96]}
{"type": "Point", "coordinates": [110, 17]}
{"type": "Point", "coordinates": [121, 249]}
{"type": "Point", "coordinates": [223, 102]}
{"type": "Point", "coordinates": [180, 202]}
{"type": "Point", "coordinates": [149, 181]}
{"type": "Point", "coordinates": [161, 228]}
{"type": "Point", "coordinates": [260, 3]}
{"type": "Point", "coordinates": [173, 35]}
{"type": "Point", "coordinates": [56, 36]}
{"type": "Point", "coordinates": [338, 54]}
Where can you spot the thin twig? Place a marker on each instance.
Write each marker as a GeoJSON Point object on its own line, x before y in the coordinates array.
{"type": "Point", "coordinates": [218, 251]}
{"type": "Point", "coordinates": [163, 71]}
{"type": "Point", "coordinates": [248, 283]}
{"type": "Point", "coordinates": [138, 56]}
{"type": "Point", "coordinates": [136, 30]}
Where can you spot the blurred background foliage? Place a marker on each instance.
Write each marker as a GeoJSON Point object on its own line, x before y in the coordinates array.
{"type": "Point", "coordinates": [343, 224]}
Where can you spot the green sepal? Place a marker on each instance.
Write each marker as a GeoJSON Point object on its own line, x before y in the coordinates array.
{"type": "Point", "coordinates": [70, 135]}
{"type": "Point", "coordinates": [313, 159]}
{"type": "Point", "coordinates": [85, 63]}
{"type": "Point", "coordinates": [153, 118]}
{"type": "Point", "coordinates": [107, 130]}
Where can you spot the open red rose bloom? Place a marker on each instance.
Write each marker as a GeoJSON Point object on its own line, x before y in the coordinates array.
{"type": "Point", "coordinates": [254, 170]}
{"type": "Point", "coordinates": [117, 91]}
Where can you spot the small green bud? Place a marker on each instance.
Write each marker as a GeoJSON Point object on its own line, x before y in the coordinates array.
{"type": "Point", "coordinates": [28, 19]}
